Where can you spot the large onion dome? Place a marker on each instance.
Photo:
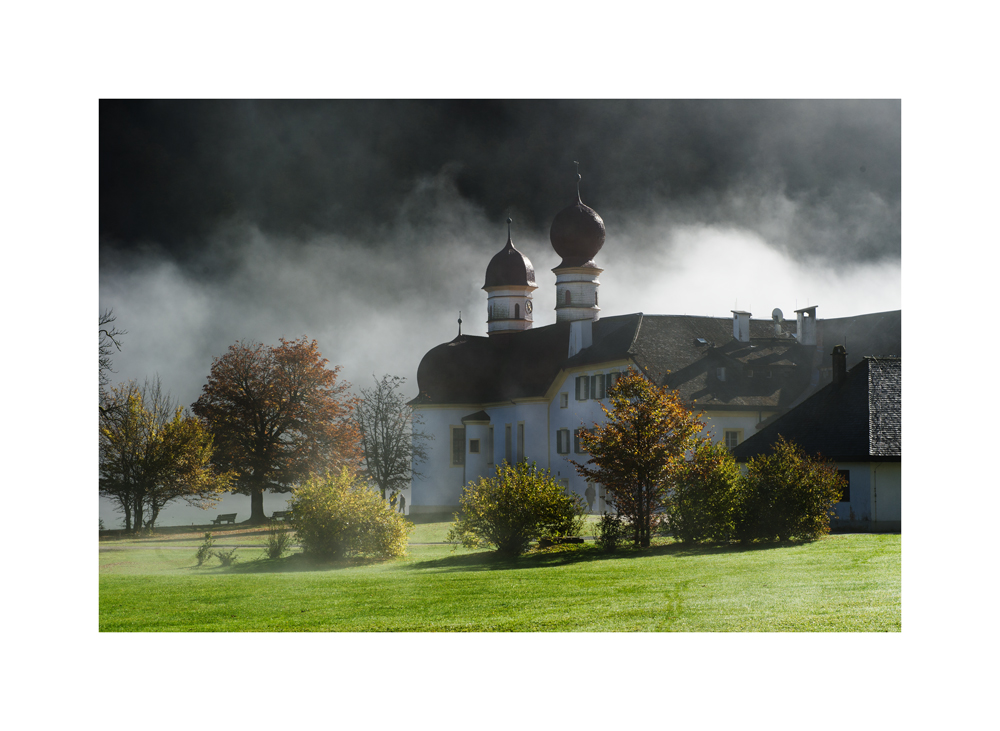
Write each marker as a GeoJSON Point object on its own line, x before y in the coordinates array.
{"type": "Point", "coordinates": [509, 268]}
{"type": "Point", "coordinates": [577, 234]}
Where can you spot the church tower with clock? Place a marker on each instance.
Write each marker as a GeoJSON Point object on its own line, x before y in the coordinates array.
{"type": "Point", "coordinates": [510, 280]}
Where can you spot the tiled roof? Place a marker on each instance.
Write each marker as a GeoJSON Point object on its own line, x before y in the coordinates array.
{"type": "Point", "coordinates": [857, 420]}
{"type": "Point", "coordinates": [681, 351]}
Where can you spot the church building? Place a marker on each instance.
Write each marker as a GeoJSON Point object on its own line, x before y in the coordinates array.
{"type": "Point", "coordinates": [526, 392]}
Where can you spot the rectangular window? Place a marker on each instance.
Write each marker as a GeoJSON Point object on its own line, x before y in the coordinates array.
{"type": "Point", "coordinates": [720, 373]}
{"type": "Point", "coordinates": [507, 444]}
{"type": "Point", "coordinates": [597, 386]}
{"type": "Point", "coordinates": [577, 445]}
{"type": "Point", "coordinates": [473, 446]}
{"type": "Point", "coordinates": [582, 388]}
{"type": "Point", "coordinates": [846, 495]}
{"type": "Point", "coordinates": [489, 447]}
{"type": "Point", "coordinates": [457, 445]}
{"type": "Point", "coordinates": [732, 437]}
{"type": "Point", "coordinates": [612, 379]}
{"type": "Point", "coordinates": [562, 441]}
{"type": "Point", "coordinates": [520, 441]}
{"type": "Point", "coordinates": [563, 400]}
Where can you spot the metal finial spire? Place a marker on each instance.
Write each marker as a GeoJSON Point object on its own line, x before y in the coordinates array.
{"type": "Point", "coordinates": [460, 323]}
{"type": "Point", "coordinates": [578, 178]}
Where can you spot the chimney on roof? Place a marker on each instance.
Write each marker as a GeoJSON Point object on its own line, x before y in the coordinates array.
{"type": "Point", "coordinates": [839, 364]}
{"type": "Point", "coordinates": [741, 325]}
{"type": "Point", "coordinates": [581, 336]}
{"type": "Point", "coordinates": [806, 325]}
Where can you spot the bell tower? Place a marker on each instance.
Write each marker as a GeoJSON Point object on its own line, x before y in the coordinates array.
{"type": "Point", "coordinates": [510, 280]}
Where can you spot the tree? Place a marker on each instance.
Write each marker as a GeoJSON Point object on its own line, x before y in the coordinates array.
{"type": "Point", "coordinates": [337, 515]}
{"type": "Point", "coordinates": [391, 441]}
{"type": "Point", "coordinates": [704, 493]}
{"type": "Point", "coordinates": [151, 453]}
{"type": "Point", "coordinates": [108, 338]}
{"type": "Point", "coordinates": [637, 452]}
{"type": "Point", "coordinates": [277, 415]}
{"type": "Point", "coordinates": [787, 494]}
{"type": "Point", "coordinates": [519, 504]}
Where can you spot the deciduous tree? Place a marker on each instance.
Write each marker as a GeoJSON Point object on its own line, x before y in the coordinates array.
{"type": "Point", "coordinates": [636, 452]}
{"type": "Point", "coordinates": [277, 414]}
{"type": "Point", "coordinates": [391, 439]}
{"type": "Point", "coordinates": [151, 453]}
{"type": "Point", "coordinates": [108, 341]}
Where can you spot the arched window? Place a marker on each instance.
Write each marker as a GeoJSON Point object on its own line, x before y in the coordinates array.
{"type": "Point", "coordinates": [569, 299]}
{"type": "Point", "coordinates": [517, 311]}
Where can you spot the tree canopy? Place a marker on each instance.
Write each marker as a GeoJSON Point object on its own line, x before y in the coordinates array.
{"type": "Point", "coordinates": [151, 453]}
{"type": "Point", "coordinates": [636, 452]}
{"type": "Point", "coordinates": [277, 414]}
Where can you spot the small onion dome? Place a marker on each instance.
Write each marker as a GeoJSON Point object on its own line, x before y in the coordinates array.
{"type": "Point", "coordinates": [577, 234]}
{"type": "Point", "coordinates": [509, 268]}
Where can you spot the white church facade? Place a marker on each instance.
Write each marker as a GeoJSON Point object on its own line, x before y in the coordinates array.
{"type": "Point", "coordinates": [525, 392]}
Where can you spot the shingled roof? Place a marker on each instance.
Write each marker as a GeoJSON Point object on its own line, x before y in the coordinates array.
{"type": "Point", "coordinates": [857, 420]}
{"type": "Point", "coordinates": [683, 352]}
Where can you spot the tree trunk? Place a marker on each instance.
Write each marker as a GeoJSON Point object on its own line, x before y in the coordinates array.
{"type": "Point", "coordinates": [257, 507]}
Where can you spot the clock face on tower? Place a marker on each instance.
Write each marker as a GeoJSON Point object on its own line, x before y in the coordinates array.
{"type": "Point", "coordinates": [527, 307]}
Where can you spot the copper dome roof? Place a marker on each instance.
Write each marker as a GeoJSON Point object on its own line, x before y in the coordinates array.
{"type": "Point", "coordinates": [509, 268]}
{"type": "Point", "coordinates": [577, 234]}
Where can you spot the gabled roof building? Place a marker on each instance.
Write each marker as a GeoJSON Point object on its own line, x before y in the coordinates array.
{"type": "Point", "coordinates": [525, 392]}
{"type": "Point", "coordinates": [856, 422]}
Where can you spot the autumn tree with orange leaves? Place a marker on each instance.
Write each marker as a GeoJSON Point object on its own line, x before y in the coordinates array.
{"type": "Point", "coordinates": [277, 414]}
{"type": "Point", "coordinates": [637, 452]}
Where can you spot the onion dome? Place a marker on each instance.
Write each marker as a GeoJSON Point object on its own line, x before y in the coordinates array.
{"type": "Point", "coordinates": [509, 268]}
{"type": "Point", "coordinates": [577, 234]}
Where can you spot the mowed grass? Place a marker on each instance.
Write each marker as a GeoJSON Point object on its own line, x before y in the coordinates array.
{"type": "Point", "coordinates": [839, 583]}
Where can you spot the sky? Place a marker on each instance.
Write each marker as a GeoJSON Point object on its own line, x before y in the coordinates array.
{"type": "Point", "coordinates": [368, 224]}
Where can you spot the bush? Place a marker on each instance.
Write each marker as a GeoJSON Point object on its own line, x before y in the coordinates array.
{"type": "Point", "coordinates": [786, 494]}
{"type": "Point", "coordinates": [516, 506]}
{"type": "Point", "coordinates": [228, 558]}
{"type": "Point", "coordinates": [611, 531]}
{"type": "Point", "coordinates": [702, 505]}
{"type": "Point", "coordinates": [278, 538]}
{"type": "Point", "coordinates": [338, 515]}
{"type": "Point", "coordinates": [205, 550]}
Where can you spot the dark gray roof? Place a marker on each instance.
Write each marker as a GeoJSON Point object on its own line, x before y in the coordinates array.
{"type": "Point", "coordinates": [680, 351]}
{"type": "Point", "coordinates": [857, 420]}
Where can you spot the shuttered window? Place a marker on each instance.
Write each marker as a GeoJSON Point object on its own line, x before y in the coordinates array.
{"type": "Point", "coordinates": [597, 390]}
{"type": "Point", "coordinates": [582, 388]}
{"type": "Point", "coordinates": [562, 441]}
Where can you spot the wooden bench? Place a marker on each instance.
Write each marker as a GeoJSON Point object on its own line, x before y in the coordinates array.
{"type": "Point", "coordinates": [227, 518]}
{"type": "Point", "coordinates": [281, 515]}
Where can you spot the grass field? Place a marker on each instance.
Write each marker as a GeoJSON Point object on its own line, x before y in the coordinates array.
{"type": "Point", "coordinates": [840, 583]}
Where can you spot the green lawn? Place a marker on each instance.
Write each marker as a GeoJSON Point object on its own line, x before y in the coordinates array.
{"type": "Point", "coordinates": [839, 583]}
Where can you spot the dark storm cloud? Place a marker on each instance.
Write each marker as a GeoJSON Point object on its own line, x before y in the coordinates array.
{"type": "Point", "coordinates": [814, 178]}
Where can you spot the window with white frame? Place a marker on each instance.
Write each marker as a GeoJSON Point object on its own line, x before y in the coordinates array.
{"type": "Point", "coordinates": [733, 437]}
{"type": "Point", "coordinates": [577, 444]}
{"type": "Point", "coordinates": [563, 400]}
{"type": "Point", "coordinates": [582, 388]}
